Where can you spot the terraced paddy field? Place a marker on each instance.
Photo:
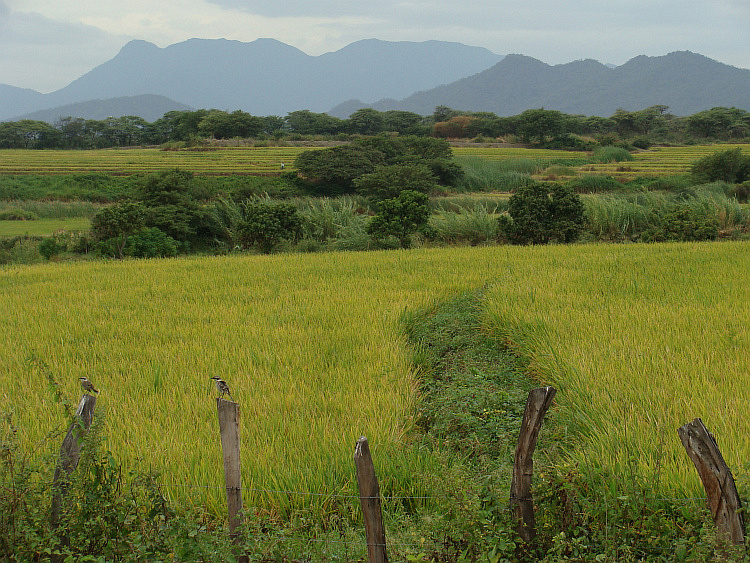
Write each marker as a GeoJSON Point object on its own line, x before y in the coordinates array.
{"type": "Point", "coordinates": [204, 161]}
{"type": "Point", "coordinates": [639, 339]}
{"type": "Point", "coordinates": [659, 161]}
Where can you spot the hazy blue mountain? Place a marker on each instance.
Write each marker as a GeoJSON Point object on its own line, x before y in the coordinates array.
{"type": "Point", "coordinates": [149, 107]}
{"type": "Point", "coordinates": [15, 101]}
{"type": "Point", "coordinates": [264, 77]}
{"type": "Point", "coordinates": [686, 82]}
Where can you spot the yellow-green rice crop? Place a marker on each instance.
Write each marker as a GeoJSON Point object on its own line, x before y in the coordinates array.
{"type": "Point", "coordinates": [213, 161]}
{"type": "Point", "coordinates": [42, 227]}
{"type": "Point", "coordinates": [639, 339]}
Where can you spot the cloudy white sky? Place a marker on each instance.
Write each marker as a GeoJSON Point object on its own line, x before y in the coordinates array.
{"type": "Point", "coordinates": [46, 44]}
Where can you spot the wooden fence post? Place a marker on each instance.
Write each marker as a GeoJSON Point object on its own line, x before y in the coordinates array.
{"type": "Point", "coordinates": [369, 498]}
{"type": "Point", "coordinates": [537, 404]}
{"type": "Point", "coordinates": [723, 499]}
{"type": "Point", "coordinates": [229, 427]}
{"type": "Point", "coordinates": [70, 453]}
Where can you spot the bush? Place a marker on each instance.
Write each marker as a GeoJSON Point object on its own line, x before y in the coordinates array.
{"type": "Point", "coordinates": [611, 154]}
{"type": "Point", "coordinates": [265, 224]}
{"type": "Point", "coordinates": [401, 217]}
{"type": "Point", "coordinates": [387, 182]}
{"type": "Point", "coordinates": [49, 247]}
{"type": "Point", "coordinates": [686, 223]}
{"type": "Point", "coordinates": [730, 166]}
{"type": "Point", "coordinates": [151, 243]}
{"type": "Point", "coordinates": [538, 214]}
{"type": "Point", "coordinates": [15, 214]}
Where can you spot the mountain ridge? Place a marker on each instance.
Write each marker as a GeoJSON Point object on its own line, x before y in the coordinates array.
{"type": "Point", "coordinates": [686, 82]}
{"type": "Point", "coordinates": [263, 77]}
{"type": "Point", "coordinates": [269, 77]}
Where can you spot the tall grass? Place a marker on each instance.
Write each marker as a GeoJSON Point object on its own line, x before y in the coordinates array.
{"type": "Point", "coordinates": [472, 226]}
{"type": "Point", "coordinates": [310, 344]}
{"type": "Point", "coordinates": [483, 175]}
{"type": "Point", "coordinates": [640, 339]}
{"type": "Point", "coordinates": [611, 154]}
{"type": "Point", "coordinates": [54, 209]}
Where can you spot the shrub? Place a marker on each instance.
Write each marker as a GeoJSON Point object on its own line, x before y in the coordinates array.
{"type": "Point", "coordinates": [49, 247]}
{"type": "Point", "coordinates": [401, 217]}
{"type": "Point", "coordinates": [15, 214]}
{"type": "Point", "coordinates": [538, 214]}
{"type": "Point", "coordinates": [685, 222]}
{"type": "Point", "coordinates": [611, 154]}
{"type": "Point", "coordinates": [387, 182]}
{"type": "Point", "coordinates": [151, 243]}
{"type": "Point", "coordinates": [265, 224]}
{"type": "Point", "coordinates": [730, 166]}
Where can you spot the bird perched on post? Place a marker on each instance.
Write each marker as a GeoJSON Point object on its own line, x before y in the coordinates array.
{"type": "Point", "coordinates": [222, 386]}
{"type": "Point", "coordinates": [87, 386]}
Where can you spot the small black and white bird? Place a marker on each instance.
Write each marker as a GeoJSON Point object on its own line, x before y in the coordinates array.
{"type": "Point", "coordinates": [87, 386]}
{"type": "Point", "coordinates": [222, 387]}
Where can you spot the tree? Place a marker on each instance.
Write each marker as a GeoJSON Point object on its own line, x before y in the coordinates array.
{"type": "Point", "coordinates": [536, 125]}
{"type": "Point", "coordinates": [389, 181]}
{"type": "Point", "coordinates": [114, 224]}
{"type": "Point", "coordinates": [306, 122]}
{"type": "Point", "coordinates": [171, 206]}
{"type": "Point", "coordinates": [332, 171]}
{"type": "Point", "coordinates": [266, 224]}
{"type": "Point", "coordinates": [730, 166]}
{"type": "Point", "coordinates": [401, 217]}
{"type": "Point", "coordinates": [366, 121]}
{"type": "Point", "coordinates": [538, 215]}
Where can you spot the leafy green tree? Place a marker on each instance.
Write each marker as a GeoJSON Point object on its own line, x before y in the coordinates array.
{"type": "Point", "coordinates": [401, 217]}
{"type": "Point", "coordinates": [731, 165]}
{"type": "Point", "coordinates": [536, 125]}
{"type": "Point", "coordinates": [171, 206]}
{"type": "Point", "coordinates": [405, 123]}
{"type": "Point", "coordinates": [150, 243]}
{"type": "Point", "coordinates": [114, 224]}
{"type": "Point", "coordinates": [389, 181]}
{"type": "Point", "coordinates": [539, 215]}
{"type": "Point", "coordinates": [305, 122]}
{"type": "Point", "coordinates": [366, 121]}
{"type": "Point", "coordinates": [265, 224]}
{"type": "Point", "coordinates": [333, 171]}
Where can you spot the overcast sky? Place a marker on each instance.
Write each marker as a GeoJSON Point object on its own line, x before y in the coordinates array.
{"type": "Point", "coordinates": [46, 44]}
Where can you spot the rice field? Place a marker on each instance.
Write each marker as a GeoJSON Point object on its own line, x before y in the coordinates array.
{"type": "Point", "coordinates": [639, 339]}
{"type": "Point", "coordinates": [205, 161]}
{"type": "Point", "coordinates": [659, 161]}
{"type": "Point", "coordinates": [43, 227]}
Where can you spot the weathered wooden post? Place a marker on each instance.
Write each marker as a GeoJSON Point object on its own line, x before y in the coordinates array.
{"type": "Point", "coordinates": [70, 453]}
{"type": "Point", "coordinates": [369, 498]}
{"type": "Point", "coordinates": [537, 404]}
{"type": "Point", "coordinates": [229, 427]}
{"type": "Point", "coordinates": [723, 499]}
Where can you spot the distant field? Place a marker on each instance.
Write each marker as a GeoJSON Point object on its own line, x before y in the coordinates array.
{"type": "Point", "coordinates": [659, 161]}
{"type": "Point", "coordinates": [42, 227]}
{"type": "Point", "coordinates": [212, 161]}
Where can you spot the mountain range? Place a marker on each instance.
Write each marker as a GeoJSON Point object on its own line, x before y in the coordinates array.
{"type": "Point", "coordinates": [263, 77]}
{"type": "Point", "coordinates": [686, 82]}
{"type": "Point", "coordinates": [267, 77]}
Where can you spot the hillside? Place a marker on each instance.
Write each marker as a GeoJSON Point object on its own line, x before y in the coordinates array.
{"type": "Point", "coordinates": [149, 107]}
{"type": "Point", "coordinates": [263, 77]}
{"type": "Point", "coordinates": [686, 82]}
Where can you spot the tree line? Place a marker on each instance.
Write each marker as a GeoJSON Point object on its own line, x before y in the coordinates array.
{"type": "Point", "coordinates": [540, 127]}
